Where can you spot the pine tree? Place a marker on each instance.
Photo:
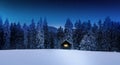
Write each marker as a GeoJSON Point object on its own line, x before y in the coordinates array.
{"type": "Point", "coordinates": [89, 25]}
{"type": "Point", "coordinates": [13, 37]}
{"type": "Point", "coordinates": [60, 37]}
{"type": "Point", "coordinates": [107, 34]}
{"type": "Point", "coordinates": [69, 31]}
{"type": "Point", "coordinates": [77, 34]}
{"type": "Point", "coordinates": [99, 35]}
{"type": "Point", "coordinates": [32, 35]}
{"type": "Point", "coordinates": [25, 29]}
{"type": "Point", "coordinates": [6, 35]}
{"type": "Point", "coordinates": [46, 34]}
{"type": "Point", "coordinates": [94, 28]}
{"type": "Point", "coordinates": [40, 35]}
{"type": "Point", "coordinates": [85, 28]}
{"type": "Point", "coordinates": [60, 33]}
{"type": "Point", "coordinates": [88, 42]}
{"type": "Point", "coordinates": [20, 37]}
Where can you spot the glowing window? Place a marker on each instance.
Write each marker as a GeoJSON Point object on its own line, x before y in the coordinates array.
{"type": "Point", "coordinates": [66, 45]}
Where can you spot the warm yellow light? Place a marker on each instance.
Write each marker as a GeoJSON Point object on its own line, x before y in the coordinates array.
{"type": "Point", "coordinates": [65, 45]}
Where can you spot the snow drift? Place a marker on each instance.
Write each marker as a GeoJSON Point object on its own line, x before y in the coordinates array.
{"type": "Point", "coordinates": [58, 57]}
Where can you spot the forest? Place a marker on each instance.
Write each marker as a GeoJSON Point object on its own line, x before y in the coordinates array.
{"type": "Point", "coordinates": [98, 36]}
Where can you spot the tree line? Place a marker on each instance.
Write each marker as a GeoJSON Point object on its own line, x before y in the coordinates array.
{"type": "Point", "coordinates": [104, 35]}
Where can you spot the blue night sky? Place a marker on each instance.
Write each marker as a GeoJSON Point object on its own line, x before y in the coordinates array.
{"type": "Point", "coordinates": [57, 11]}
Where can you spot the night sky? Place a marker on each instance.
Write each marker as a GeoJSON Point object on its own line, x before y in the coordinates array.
{"type": "Point", "coordinates": [57, 11]}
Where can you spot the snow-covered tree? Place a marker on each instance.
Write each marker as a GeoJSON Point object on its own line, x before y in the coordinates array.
{"type": "Point", "coordinates": [6, 35]}
{"type": "Point", "coordinates": [13, 37]}
{"type": "Point", "coordinates": [25, 29]}
{"type": "Point", "coordinates": [60, 33]}
{"type": "Point", "coordinates": [100, 36]}
{"type": "Point", "coordinates": [77, 34]}
{"type": "Point", "coordinates": [46, 34]}
{"type": "Point", "coordinates": [89, 25]}
{"type": "Point", "coordinates": [40, 35]}
{"type": "Point", "coordinates": [94, 28]}
{"type": "Point", "coordinates": [88, 42]}
{"type": "Point", "coordinates": [60, 37]}
{"type": "Point", "coordinates": [19, 37]}
{"type": "Point", "coordinates": [108, 34]}
{"type": "Point", "coordinates": [32, 35]}
{"type": "Point", "coordinates": [69, 31]}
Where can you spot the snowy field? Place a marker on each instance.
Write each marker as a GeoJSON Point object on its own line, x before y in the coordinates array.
{"type": "Point", "coordinates": [58, 57]}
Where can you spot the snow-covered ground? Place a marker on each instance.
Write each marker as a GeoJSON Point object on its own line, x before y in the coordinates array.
{"type": "Point", "coordinates": [58, 57]}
